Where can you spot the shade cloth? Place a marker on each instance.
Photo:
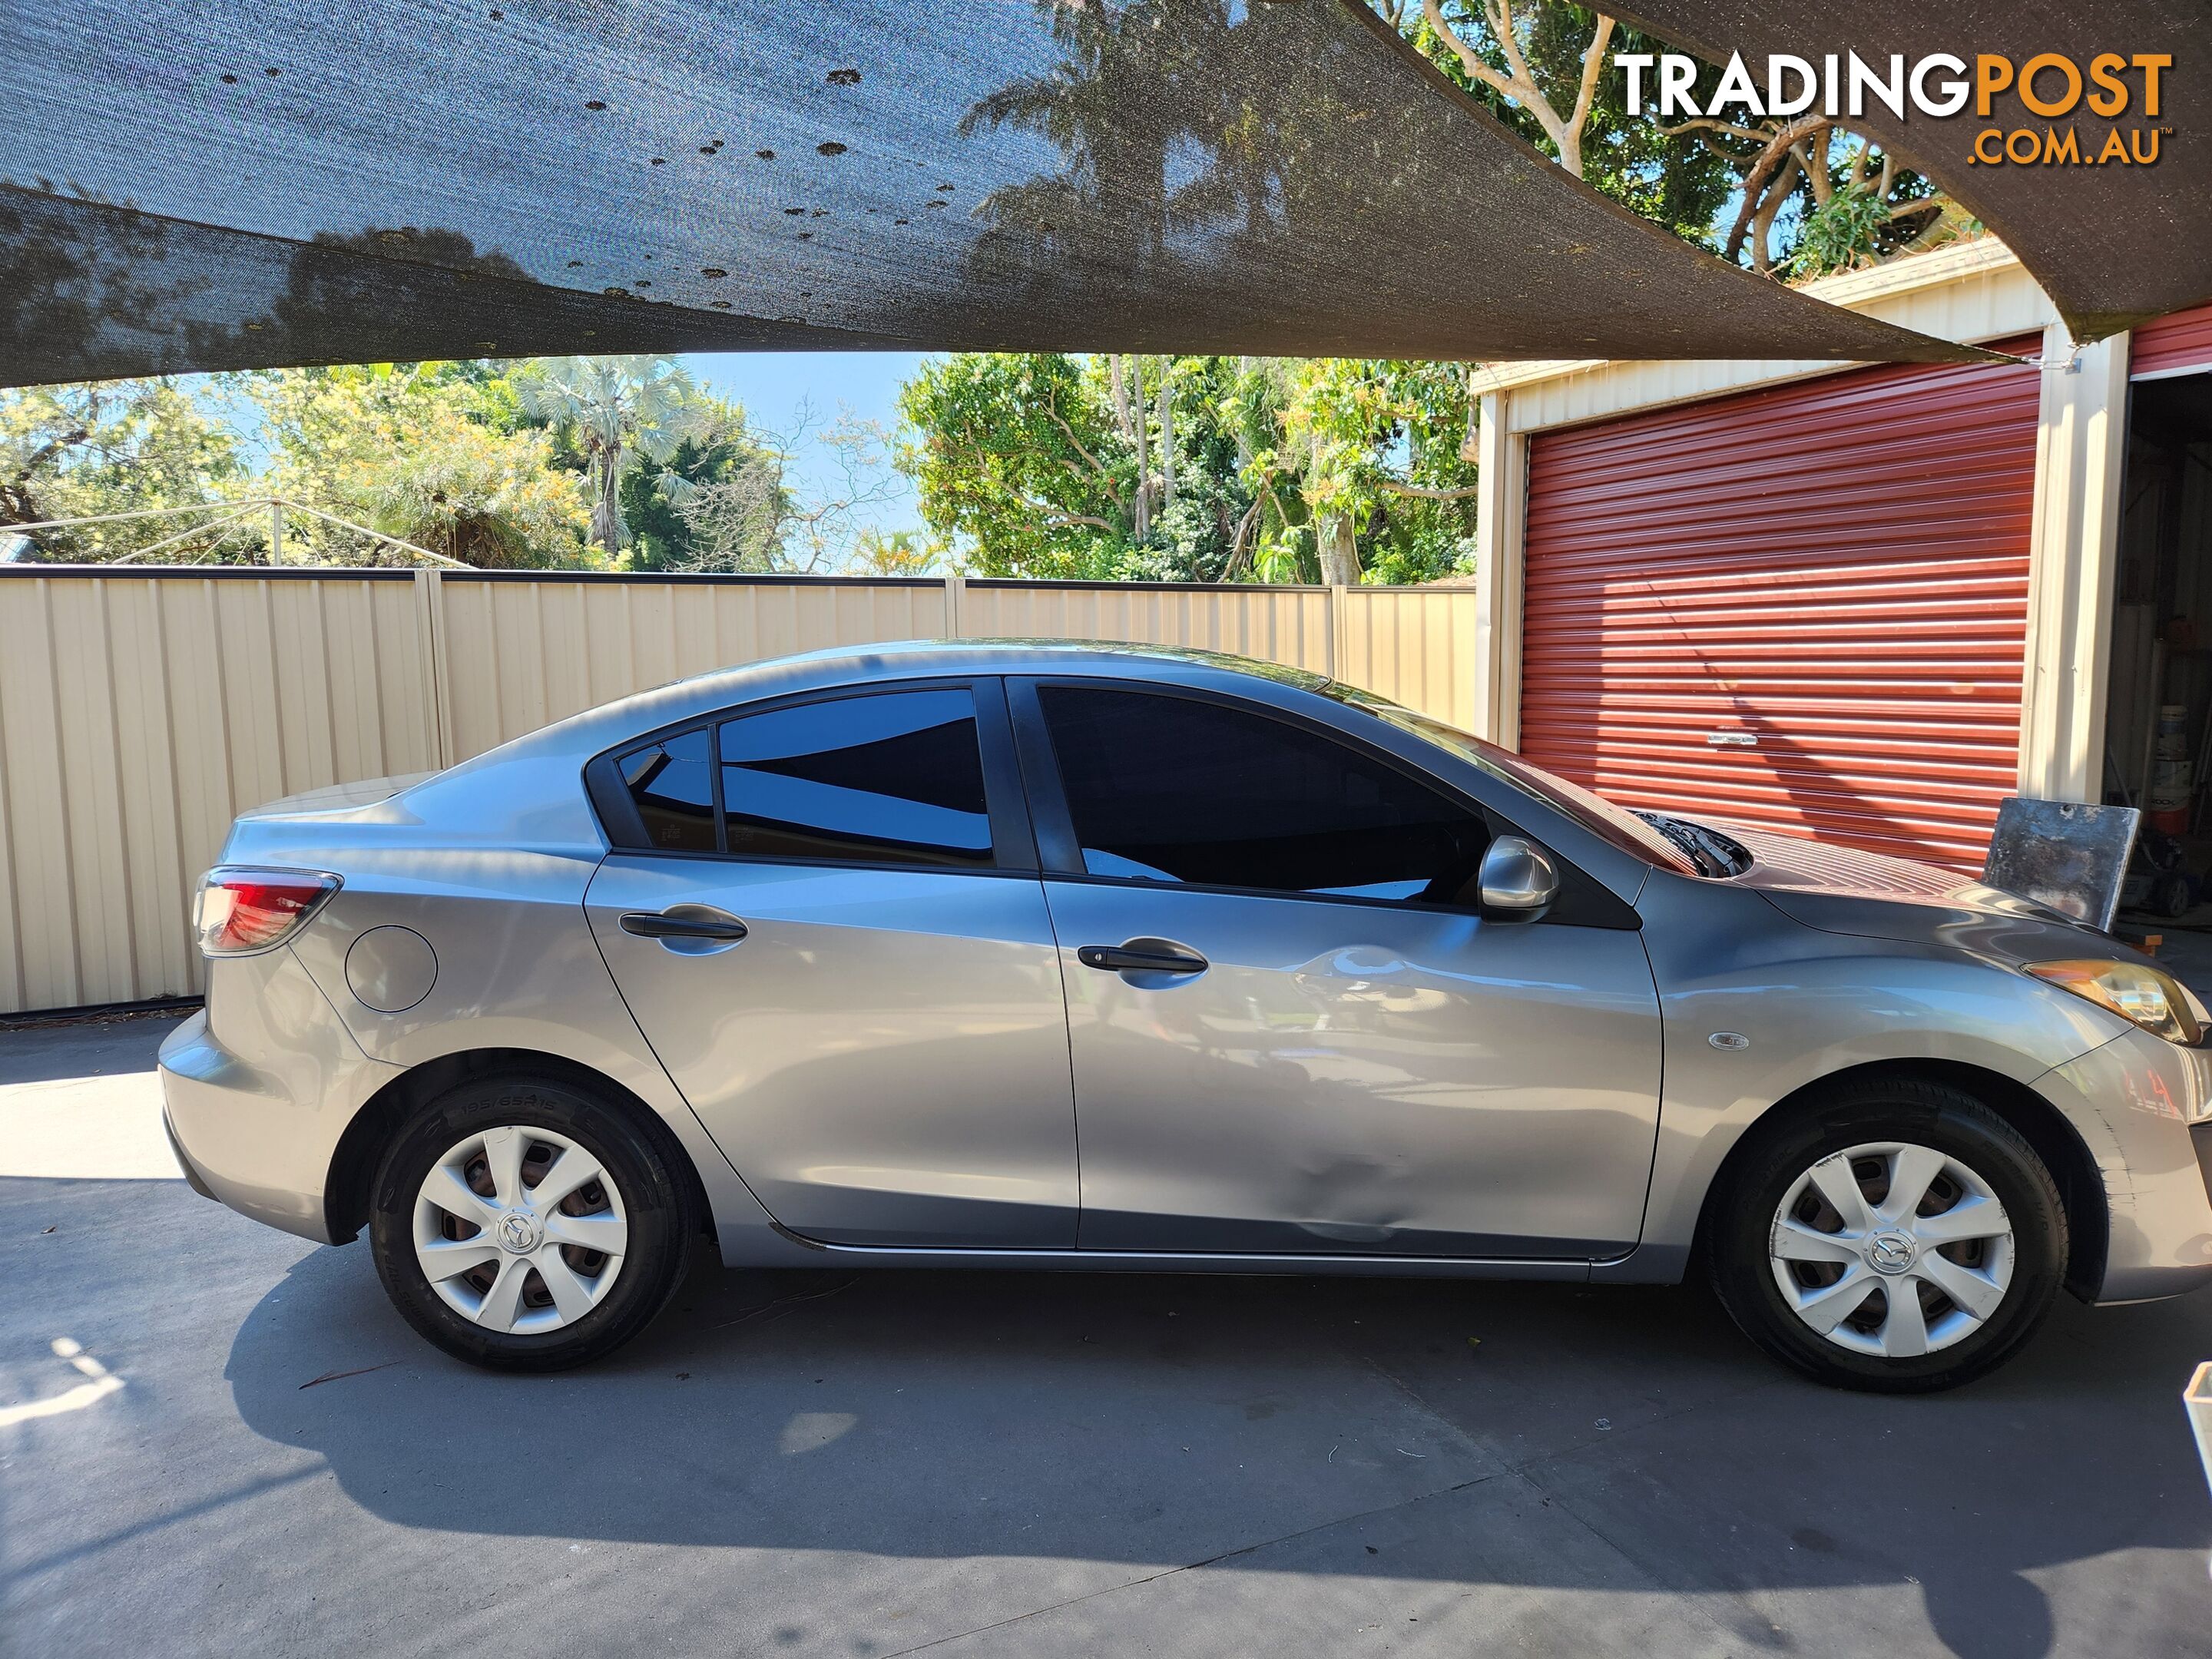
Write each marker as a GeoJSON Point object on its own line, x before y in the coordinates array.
{"type": "Point", "coordinates": [198, 187]}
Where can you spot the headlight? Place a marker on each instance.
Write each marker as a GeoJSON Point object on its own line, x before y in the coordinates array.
{"type": "Point", "coordinates": [2134, 991]}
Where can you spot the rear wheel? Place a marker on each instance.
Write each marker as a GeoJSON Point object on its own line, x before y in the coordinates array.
{"type": "Point", "coordinates": [1899, 1236]}
{"type": "Point", "coordinates": [526, 1224]}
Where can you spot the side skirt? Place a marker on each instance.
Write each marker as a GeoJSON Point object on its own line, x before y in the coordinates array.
{"type": "Point", "coordinates": [775, 1247]}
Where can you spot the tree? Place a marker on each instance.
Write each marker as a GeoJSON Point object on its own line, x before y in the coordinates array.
{"type": "Point", "coordinates": [900, 553]}
{"type": "Point", "coordinates": [1378, 451]}
{"type": "Point", "coordinates": [1210, 469]}
{"type": "Point", "coordinates": [435, 453]}
{"type": "Point", "coordinates": [615, 411]}
{"type": "Point", "coordinates": [1855, 204]}
{"type": "Point", "coordinates": [120, 447]}
{"type": "Point", "coordinates": [1016, 456]}
{"type": "Point", "coordinates": [770, 513]}
{"type": "Point", "coordinates": [1809, 197]}
{"type": "Point", "coordinates": [676, 509]}
{"type": "Point", "coordinates": [1515, 77]}
{"type": "Point", "coordinates": [486, 497]}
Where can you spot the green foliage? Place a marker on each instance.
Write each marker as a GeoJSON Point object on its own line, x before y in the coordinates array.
{"type": "Point", "coordinates": [430, 452]}
{"type": "Point", "coordinates": [677, 527]}
{"type": "Point", "coordinates": [613, 412]}
{"type": "Point", "coordinates": [566, 462]}
{"type": "Point", "coordinates": [1674, 181]}
{"type": "Point", "coordinates": [120, 447]}
{"type": "Point", "coordinates": [1016, 460]}
{"type": "Point", "coordinates": [1029, 465]}
{"type": "Point", "coordinates": [1840, 232]}
{"type": "Point", "coordinates": [900, 553]}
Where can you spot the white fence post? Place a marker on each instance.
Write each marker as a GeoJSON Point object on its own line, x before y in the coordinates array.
{"type": "Point", "coordinates": [956, 606]}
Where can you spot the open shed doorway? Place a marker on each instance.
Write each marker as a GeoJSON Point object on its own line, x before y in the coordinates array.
{"type": "Point", "coordinates": [2158, 743]}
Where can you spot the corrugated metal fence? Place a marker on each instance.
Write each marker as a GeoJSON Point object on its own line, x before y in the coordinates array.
{"type": "Point", "coordinates": [140, 711]}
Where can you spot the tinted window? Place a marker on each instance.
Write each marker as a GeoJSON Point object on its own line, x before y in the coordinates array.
{"type": "Point", "coordinates": [896, 778]}
{"type": "Point", "coordinates": [672, 784]}
{"type": "Point", "coordinates": [1626, 830]}
{"type": "Point", "coordinates": [1169, 789]}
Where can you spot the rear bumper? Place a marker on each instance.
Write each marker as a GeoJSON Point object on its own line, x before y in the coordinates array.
{"type": "Point", "coordinates": [2139, 1102]}
{"type": "Point", "coordinates": [258, 1088]}
{"type": "Point", "coordinates": [193, 1178]}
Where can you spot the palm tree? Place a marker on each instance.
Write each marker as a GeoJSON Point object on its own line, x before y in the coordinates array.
{"type": "Point", "coordinates": [617, 410]}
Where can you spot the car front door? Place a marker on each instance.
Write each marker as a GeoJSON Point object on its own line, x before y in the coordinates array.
{"type": "Point", "coordinates": [831, 928]}
{"type": "Point", "coordinates": [1290, 1032]}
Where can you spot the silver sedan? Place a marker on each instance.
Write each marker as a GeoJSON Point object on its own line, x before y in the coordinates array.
{"type": "Point", "coordinates": [1039, 955]}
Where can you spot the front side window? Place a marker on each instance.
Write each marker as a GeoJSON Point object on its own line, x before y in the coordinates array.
{"type": "Point", "coordinates": [1170, 789]}
{"type": "Point", "coordinates": [893, 778]}
{"type": "Point", "coordinates": [1624, 830]}
{"type": "Point", "coordinates": [672, 784]}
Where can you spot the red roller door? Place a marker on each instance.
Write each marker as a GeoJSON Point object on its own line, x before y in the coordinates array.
{"type": "Point", "coordinates": [2179, 344]}
{"type": "Point", "coordinates": [1805, 608]}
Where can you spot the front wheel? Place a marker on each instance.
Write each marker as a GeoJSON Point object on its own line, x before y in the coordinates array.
{"type": "Point", "coordinates": [1899, 1236]}
{"type": "Point", "coordinates": [525, 1224]}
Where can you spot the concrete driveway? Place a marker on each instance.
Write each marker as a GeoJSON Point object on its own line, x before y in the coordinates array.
{"type": "Point", "coordinates": [217, 1439]}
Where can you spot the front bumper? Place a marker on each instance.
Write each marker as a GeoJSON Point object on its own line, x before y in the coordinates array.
{"type": "Point", "coordinates": [2141, 1104]}
{"type": "Point", "coordinates": [258, 1088]}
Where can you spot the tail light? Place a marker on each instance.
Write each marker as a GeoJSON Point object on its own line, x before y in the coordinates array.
{"type": "Point", "coordinates": [241, 911]}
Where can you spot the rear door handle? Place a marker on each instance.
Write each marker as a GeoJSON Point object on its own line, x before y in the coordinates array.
{"type": "Point", "coordinates": [1120, 959]}
{"type": "Point", "coordinates": [647, 924]}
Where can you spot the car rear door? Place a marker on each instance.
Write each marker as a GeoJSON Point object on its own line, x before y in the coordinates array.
{"type": "Point", "coordinates": [830, 927]}
{"type": "Point", "coordinates": [1289, 1034]}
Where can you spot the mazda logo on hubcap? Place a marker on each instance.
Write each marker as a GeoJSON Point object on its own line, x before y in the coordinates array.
{"type": "Point", "coordinates": [518, 1232]}
{"type": "Point", "coordinates": [1890, 1252]}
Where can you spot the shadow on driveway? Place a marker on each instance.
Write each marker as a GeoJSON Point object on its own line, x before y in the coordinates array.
{"type": "Point", "coordinates": [1541, 1435]}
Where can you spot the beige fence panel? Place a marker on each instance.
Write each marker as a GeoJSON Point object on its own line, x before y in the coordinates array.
{"type": "Point", "coordinates": [520, 651]}
{"type": "Point", "coordinates": [139, 713]}
{"type": "Point", "coordinates": [1414, 645]}
{"type": "Point", "coordinates": [142, 710]}
{"type": "Point", "coordinates": [1287, 625]}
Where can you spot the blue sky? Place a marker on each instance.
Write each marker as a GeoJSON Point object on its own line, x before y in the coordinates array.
{"type": "Point", "coordinates": [772, 385]}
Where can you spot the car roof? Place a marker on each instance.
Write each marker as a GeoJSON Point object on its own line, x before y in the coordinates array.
{"type": "Point", "coordinates": [603, 728]}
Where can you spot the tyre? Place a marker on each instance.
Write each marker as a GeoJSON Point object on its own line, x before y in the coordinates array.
{"type": "Point", "coordinates": [2174, 897]}
{"type": "Point", "coordinates": [526, 1224]}
{"type": "Point", "coordinates": [1898, 1236]}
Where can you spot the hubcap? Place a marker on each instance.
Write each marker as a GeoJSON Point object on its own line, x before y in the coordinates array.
{"type": "Point", "coordinates": [520, 1229]}
{"type": "Point", "coordinates": [1891, 1249]}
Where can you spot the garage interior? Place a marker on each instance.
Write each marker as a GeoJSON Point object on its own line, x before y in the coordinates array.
{"type": "Point", "coordinates": [2158, 750]}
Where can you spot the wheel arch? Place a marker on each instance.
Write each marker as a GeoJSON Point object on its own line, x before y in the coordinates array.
{"type": "Point", "coordinates": [346, 1194]}
{"type": "Point", "coordinates": [2047, 1129]}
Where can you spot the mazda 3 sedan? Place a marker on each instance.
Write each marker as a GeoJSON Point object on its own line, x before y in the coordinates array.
{"type": "Point", "coordinates": [1042, 955]}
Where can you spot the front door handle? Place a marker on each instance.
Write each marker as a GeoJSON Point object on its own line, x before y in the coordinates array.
{"type": "Point", "coordinates": [702, 924]}
{"type": "Point", "coordinates": [1123, 959]}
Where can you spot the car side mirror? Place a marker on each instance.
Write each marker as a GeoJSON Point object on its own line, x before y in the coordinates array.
{"type": "Point", "coordinates": [1517, 881]}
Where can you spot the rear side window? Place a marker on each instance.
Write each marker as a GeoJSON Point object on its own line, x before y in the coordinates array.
{"type": "Point", "coordinates": [673, 785]}
{"type": "Point", "coordinates": [1170, 789]}
{"type": "Point", "coordinates": [894, 778]}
